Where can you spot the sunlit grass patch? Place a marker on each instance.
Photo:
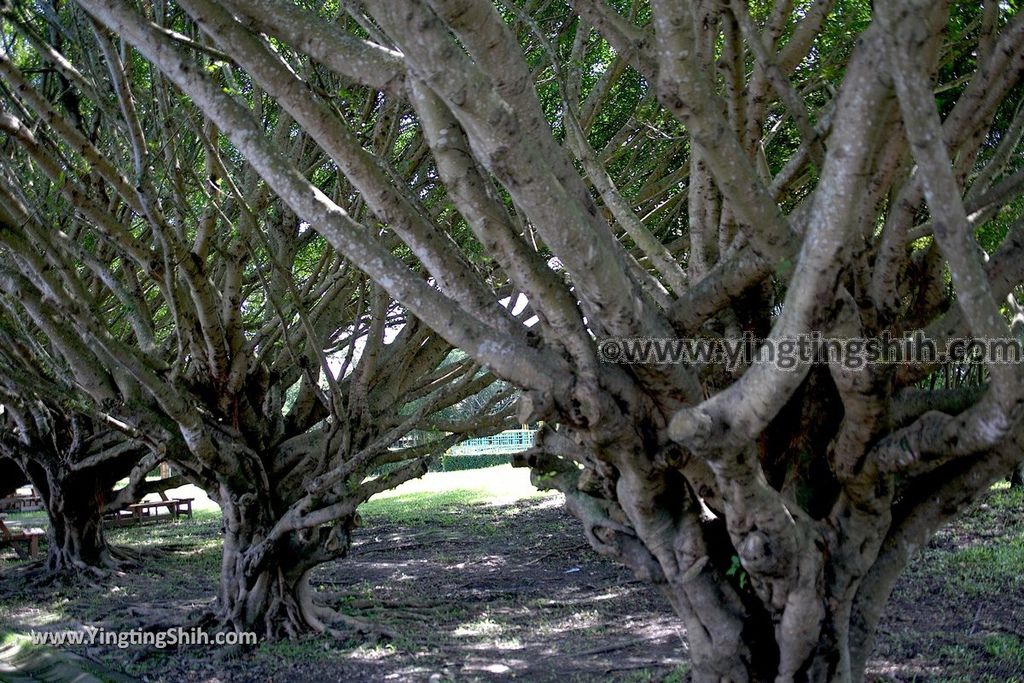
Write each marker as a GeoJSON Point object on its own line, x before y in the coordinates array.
{"type": "Point", "coordinates": [438, 497]}
{"type": "Point", "coordinates": [485, 626]}
{"type": "Point", "coordinates": [204, 524]}
{"type": "Point", "coordinates": [373, 651]}
{"type": "Point", "coordinates": [422, 507]}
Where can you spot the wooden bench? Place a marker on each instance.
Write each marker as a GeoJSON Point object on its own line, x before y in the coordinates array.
{"type": "Point", "coordinates": [21, 503]}
{"type": "Point", "coordinates": [14, 537]}
{"type": "Point", "coordinates": [150, 511]}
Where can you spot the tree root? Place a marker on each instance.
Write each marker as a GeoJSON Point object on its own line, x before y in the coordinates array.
{"type": "Point", "coordinates": [166, 618]}
{"type": "Point", "coordinates": [30, 573]}
{"type": "Point", "coordinates": [372, 603]}
{"type": "Point", "coordinates": [73, 572]}
{"type": "Point", "coordinates": [333, 618]}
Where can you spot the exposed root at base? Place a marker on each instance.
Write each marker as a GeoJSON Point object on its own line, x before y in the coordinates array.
{"type": "Point", "coordinates": [333, 618]}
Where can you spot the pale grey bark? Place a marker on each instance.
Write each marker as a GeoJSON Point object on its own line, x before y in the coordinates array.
{"type": "Point", "coordinates": [279, 386]}
{"type": "Point", "coordinates": [744, 192]}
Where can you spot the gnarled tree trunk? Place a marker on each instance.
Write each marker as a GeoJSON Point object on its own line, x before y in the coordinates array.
{"type": "Point", "coordinates": [74, 468]}
{"type": "Point", "coordinates": [74, 538]}
{"type": "Point", "coordinates": [76, 498]}
{"type": "Point", "coordinates": [264, 585]}
{"type": "Point", "coordinates": [754, 175]}
{"type": "Point", "coordinates": [768, 588]}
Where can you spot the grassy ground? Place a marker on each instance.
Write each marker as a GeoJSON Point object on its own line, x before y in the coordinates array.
{"type": "Point", "coordinates": [480, 577]}
{"type": "Point", "coordinates": [957, 613]}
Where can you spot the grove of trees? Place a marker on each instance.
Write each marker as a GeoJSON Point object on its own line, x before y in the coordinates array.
{"type": "Point", "coordinates": [250, 237]}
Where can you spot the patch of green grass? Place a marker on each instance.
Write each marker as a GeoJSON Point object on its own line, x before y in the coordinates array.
{"type": "Point", "coordinates": [439, 497]}
{"type": "Point", "coordinates": [204, 524]}
{"type": "Point", "coordinates": [990, 515]}
{"type": "Point", "coordinates": [982, 552]}
{"type": "Point", "coordinates": [979, 678]}
{"type": "Point", "coordinates": [971, 567]}
{"type": "Point", "coordinates": [989, 568]}
{"type": "Point", "coordinates": [1006, 647]}
{"type": "Point", "coordinates": [991, 565]}
{"type": "Point", "coordinates": [14, 640]}
{"type": "Point", "coordinates": [364, 590]}
{"type": "Point", "coordinates": [677, 675]}
{"type": "Point", "coordinates": [311, 649]}
{"type": "Point", "coordinates": [423, 508]}
{"type": "Point", "coordinates": [960, 656]}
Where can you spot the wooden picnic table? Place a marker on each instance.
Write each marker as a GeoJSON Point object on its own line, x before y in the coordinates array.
{"type": "Point", "coordinates": [149, 511]}
{"type": "Point", "coordinates": [22, 503]}
{"type": "Point", "coordinates": [13, 537]}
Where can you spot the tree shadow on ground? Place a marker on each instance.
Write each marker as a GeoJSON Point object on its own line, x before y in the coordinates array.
{"type": "Point", "coordinates": [480, 592]}
{"type": "Point", "coordinates": [514, 592]}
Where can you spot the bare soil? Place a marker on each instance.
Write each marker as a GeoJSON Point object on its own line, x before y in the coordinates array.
{"type": "Point", "coordinates": [501, 592]}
